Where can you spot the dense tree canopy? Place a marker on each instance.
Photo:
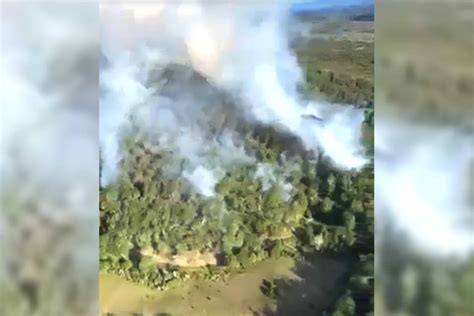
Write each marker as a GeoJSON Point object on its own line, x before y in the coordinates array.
{"type": "Point", "coordinates": [151, 219]}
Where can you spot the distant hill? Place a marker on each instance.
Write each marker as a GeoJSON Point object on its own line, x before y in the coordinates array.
{"type": "Point", "coordinates": [369, 16]}
{"type": "Point", "coordinates": [308, 5]}
{"type": "Point", "coordinates": [363, 12]}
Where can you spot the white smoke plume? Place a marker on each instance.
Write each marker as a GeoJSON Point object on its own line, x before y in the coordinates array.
{"type": "Point", "coordinates": [265, 173]}
{"type": "Point", "coordinates": [424, 179]}
{"type": "Point", "coordinates": [49, 156]}
{"type": "Point", "coordinates": [203, 179]}
{"type": "Point", "coordinates": [241, 49]}
{"type": "Point", "coordinates": [268, 175]}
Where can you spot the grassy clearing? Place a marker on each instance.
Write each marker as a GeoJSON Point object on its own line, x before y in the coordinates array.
{"type": "Point", "coordinates": [353, 58]}
{"type": "Point", "coordinates": [236, 295]}
{"type": "Point", "coordinates": [337, 56]}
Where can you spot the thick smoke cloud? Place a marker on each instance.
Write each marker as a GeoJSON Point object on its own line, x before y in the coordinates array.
{"type": "Point", "coordinates": [424, 179]}
{"type": "Point", "coordinates": [48, 158]}
{"type": "Point", "coordinates": [241, 50]}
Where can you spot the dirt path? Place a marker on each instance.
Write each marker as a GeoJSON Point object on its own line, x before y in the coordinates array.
{"type": "Point", "coordinates": [187, 259]}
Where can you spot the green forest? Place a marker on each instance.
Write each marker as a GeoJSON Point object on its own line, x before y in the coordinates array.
{"type": "Point", "coordinates": [150, 221]}
{"type": "Point", "coordinates": [327, 211]}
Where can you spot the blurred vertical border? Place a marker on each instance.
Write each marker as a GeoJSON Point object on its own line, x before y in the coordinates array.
{"type": "Point", "coordinates": [424, 161]}
{"type": "Point", "coordinates": [49, 157]}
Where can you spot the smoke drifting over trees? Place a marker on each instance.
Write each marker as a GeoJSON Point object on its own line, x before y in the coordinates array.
{"type": "Point", "coordinates": [212, 148]}
{"type": "Point", "coordinates": [235, 69]}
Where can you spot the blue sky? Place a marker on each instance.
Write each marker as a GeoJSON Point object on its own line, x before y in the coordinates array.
{"type": "Point", "coordinates": [302, 5]}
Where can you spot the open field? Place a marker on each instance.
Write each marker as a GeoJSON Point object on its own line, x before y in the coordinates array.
{"type": "Point", "coordinates": [238, 294]}
{"type": "Point", "coordinates": [337, 55]}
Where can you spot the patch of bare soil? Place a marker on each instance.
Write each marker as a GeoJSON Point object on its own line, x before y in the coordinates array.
{"type": "Point", "coordinates": [187, 259]}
